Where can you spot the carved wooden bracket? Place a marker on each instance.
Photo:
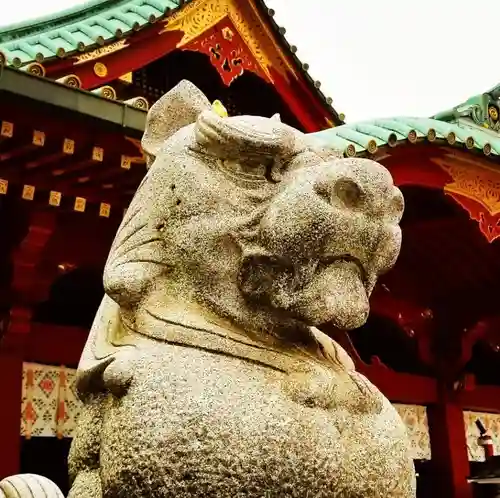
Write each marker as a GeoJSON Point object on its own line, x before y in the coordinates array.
{"type": "Point", "coordinates": [227, 51]}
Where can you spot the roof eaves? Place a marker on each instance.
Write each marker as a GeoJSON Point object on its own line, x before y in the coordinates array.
{"type": "Point", "coordinates": [365, 138]}
{"type": "Point", "coordinates": [103, 22]}
{"type": "Point", "coordinates": [304, 67]}
{"type": "Point", "coordinates": [86, 103]}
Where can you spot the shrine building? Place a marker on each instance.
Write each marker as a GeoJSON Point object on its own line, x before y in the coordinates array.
{"type": "Point", "coordinates": [74, 91]}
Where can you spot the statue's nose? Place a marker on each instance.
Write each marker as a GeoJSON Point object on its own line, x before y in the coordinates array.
{"type": "Point", "coordinates": [369, 190]}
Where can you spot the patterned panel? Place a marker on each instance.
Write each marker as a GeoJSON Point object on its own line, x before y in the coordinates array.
{"type": "Point", "coordinates": [415, 419]}
{"type": "Point", "coordinates": [491, 422]}
{"type": "Point", "coordinates": [49, 404]}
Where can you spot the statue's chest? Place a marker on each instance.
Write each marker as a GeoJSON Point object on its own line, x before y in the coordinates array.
{"type": "Point", "coordinates": [234, 430]}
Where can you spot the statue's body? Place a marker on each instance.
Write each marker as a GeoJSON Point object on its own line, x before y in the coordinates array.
{"type": "Point", "coordinates": [204, 374]}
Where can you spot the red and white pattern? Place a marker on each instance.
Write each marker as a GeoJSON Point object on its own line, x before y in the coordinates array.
{"type": "Point", "coordinates": [415, 419]}
{"type": "Point", "coordinates": [49, 404]}
{"type": "Point", "coordinates": [491, 422]}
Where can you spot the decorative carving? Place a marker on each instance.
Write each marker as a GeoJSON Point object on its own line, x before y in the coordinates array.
{"type": "Point", "coordinates": [35, 68]}
{"type": "Point", "coordinates": [476, 188]}
{"type": "Point", "coordinates": [7, 129]}
{"type": "Point", "coordinates": [138, 103]}
{"type": "Point", "coordinates": [104, 210]}
{"type": "Point", "coordinates": [100, 70]}
{"type": "Point", "coordinates": [199, 16]}
{"type": "Point", "coordinates": [38, 138]}
{"type": "Point", "coordinates": [244, 234]}
{"type": "Point", "coordinates": [107, 92]}
{"type": "Point", "coordinates": [28, 192]}
{"type": "Point", "coordinates": [482, 109]}
{"type": "Point", "coordinates": [101, 52]}
{"type": "Point", "coordinates": [69, 146]}
{"type": "Point", "coordinates": [80, 204]}
{"type": "Point", "coordinates": [71, 80]}
{"type": "Point", "coordinates": [98, 154]}
{"type": "Point", "coordinates": [55, 198]}
{"type": "Point", "coordinates": [227, 51]}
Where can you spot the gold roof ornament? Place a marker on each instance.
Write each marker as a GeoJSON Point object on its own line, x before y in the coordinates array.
{"type": "Point", "coordinates": [71, 80]}
{"type": "Point", "coordinates": [34, 68]}
{"type": "Point", "coordinates": [108, 92]}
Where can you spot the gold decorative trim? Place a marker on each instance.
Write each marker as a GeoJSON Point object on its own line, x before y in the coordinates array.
{"type": "Point", "coordinates": [98, 154]}
{"type": "Point", "coordinates": [104, 210]}
{"type": "Point", "coordinates": [200, 15]}
{"type": "Point", "coordinates": [68, 146]}
{"type": "Point", "coordinates": [479, 183]}
{"type": "Point", "coordinates": [55, 198]}
{"type": "Point", "coordinates": [107, 92]}
{"type": "Point", "coordinates": [34, 68]}
{"type": "Point", "coordinates": [7, 129]}
{"type": "Point", "coordinates": [126, 78]}
{"type": "Point", "coordinates": [4, 186]}
{"type": "Point", "coordinates": [71, 80]}
{"type": "Point", "coordinates": [28, 192]}
{"type": "Point", "coordinates": [38, 138]}
{"type": "Point", "coordinates": [101, 52]}
{"type": "Point", "coordinates": [80, 204]}
{"type": "Point", "coordinates": [100, 70]}
{"type": "Point", "coordinates": [126, 162]}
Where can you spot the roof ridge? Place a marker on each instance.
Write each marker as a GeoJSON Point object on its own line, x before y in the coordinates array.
{"type": "Point", "coordinates": [37, 24]}
{"type": "Point", "coordinates": [91, 24]}
{"type": "Point", "coordinates": [366, 137]}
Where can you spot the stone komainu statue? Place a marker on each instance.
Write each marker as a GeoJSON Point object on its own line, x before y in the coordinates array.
{"type": "Point", "coordinates": [204, 374]}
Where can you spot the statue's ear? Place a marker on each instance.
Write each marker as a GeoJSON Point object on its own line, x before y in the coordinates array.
{"type": "Point", "coordinates": [177, 108]}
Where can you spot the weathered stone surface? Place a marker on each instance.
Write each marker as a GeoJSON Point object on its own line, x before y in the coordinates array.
{"type": "Point", "coordinates": [204, 374]}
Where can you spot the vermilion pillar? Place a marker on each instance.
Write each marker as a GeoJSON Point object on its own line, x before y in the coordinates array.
{"type": "Point", "coordinates": [11, 373]}
{"type": "Point", "coordinates": [450, 460]}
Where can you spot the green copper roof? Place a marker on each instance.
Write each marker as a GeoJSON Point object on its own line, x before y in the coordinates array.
{"type": "Point", "coordinates": [361, 138]}
{"type": "Point", "coordinates": [92, 24]}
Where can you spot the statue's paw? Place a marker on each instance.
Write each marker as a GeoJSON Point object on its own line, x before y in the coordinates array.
{"type": "Point", "coordinates": [29, 486]}
{"type": "Point", "coordinates": [87, 484]}
{"type": "Point", "coordinates": [118, 374]}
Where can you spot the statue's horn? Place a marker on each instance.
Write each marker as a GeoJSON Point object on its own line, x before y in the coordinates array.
{"type": "Point", "coordinates": [178, 108]}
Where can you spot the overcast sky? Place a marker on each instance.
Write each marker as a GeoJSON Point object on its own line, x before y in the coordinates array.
{"type": "Point", "coordinates": [379, 58]}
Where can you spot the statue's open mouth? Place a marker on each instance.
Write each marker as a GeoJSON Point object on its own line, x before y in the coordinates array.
{"type": "Point", "coordinates": [346, 259]}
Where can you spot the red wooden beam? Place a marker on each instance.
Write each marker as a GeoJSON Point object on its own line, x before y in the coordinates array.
{"type": "Point", "coordinates": [481, 399]}
{"type": "Point", "coordinates": [144, 47]}
{"type": "Point", "coordinates": [55, 344]}
{"type": "Point", "coordinates": [401, 387]}
{"type": "Point", "coordinates": [396, 386]}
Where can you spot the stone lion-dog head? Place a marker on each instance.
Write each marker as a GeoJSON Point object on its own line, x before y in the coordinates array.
{"type": "Point", "coordinates": [252, 220]}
